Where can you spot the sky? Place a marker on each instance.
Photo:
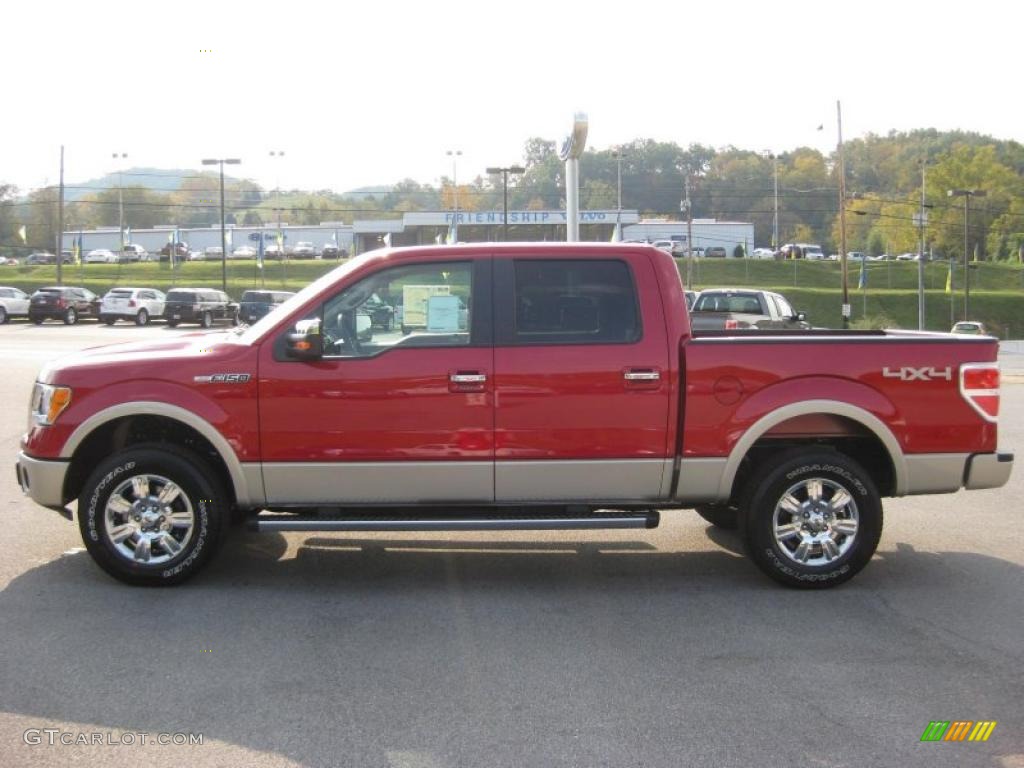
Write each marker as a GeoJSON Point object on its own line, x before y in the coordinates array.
{"type": "Point", "coordinates": [369, 93]}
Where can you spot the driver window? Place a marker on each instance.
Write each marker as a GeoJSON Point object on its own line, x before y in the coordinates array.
{"type": "Point", "coordinates": [421, 305]}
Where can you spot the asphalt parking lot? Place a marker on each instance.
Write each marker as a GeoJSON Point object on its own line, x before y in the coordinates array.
{"type": "Point", "coordinates": [620, 648]}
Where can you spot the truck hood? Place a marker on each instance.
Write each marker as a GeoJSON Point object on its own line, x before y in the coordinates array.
{"type": "Point", "coordinates": [166, 359]}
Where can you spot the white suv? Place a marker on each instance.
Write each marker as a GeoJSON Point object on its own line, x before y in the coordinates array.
{"type": "Point", "coordinates": [13, 303]}
{"type": "Point", "coordinates": [138, 304]}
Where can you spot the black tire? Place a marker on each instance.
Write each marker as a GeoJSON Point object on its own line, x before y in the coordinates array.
{"type": "Point", "coordinates": [832, 556]}
{"type": "Point", "coordinates": [172, 323]}
{"type": "Point", "coordinates": [206, 320]}
{"type": "Point", "coordinates": [36, 320]}
{"type": "Point", "coordinates": [199, 490]}
{"type": "Point", "coordinates": [108, 319]}
{"type": "Point", "coordinates": [4, 317]}
{"type": "Point", "coordinates": [234, 319]}
{"type": "Point", "coordinates": [720, 515]}
{"type": "Point", "coordinates": [71, 316]}
{"type": "Point", "coordinates": [142, 318]}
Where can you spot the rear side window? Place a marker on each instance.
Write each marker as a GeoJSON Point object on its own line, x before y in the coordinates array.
{"type": "Point", "coordinates": [747, 304]}
{"type": "Point", "coordinates": [183, 296]}
{"type": "Point", "coordinates": [574, 301]}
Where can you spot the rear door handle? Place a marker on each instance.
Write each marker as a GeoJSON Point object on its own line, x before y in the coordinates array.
{"type": "Point", "coordinates": [641, 378]}
{"type": "Point", "coordinates": [467, 381]}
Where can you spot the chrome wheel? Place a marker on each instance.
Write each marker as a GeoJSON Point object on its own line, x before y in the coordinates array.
{"type": "Point", "coordinates": [815, 522]}
{"type": "Point", "coordinates": [149, 519]}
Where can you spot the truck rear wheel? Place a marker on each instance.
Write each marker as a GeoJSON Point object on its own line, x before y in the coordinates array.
{"type": "Point", "coordinates": [812, 518]}
{"type": "Point", "coordinates": [152, 515]}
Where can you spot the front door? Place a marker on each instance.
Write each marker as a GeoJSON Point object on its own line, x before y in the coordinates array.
{"type": "Point", "coordinates": [400, 408]}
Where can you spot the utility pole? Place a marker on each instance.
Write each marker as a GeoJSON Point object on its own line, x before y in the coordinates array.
{"type": "Point", "coordinates": [775, 220]}
{"type": "Point", "coordinates": [689, 231]}
{"type": "Point", "coordinates": [842, 222]}
{"type": "Point", "coordinates": [120, 199]}
{"type": "Point", "coordinates": [60, 220]}
{"type": "Point", "coordinates": [967, 194]}
{"type": "Point", "coordinates": [920, 254]}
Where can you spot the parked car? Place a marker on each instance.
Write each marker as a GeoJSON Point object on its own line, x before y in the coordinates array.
{"type": "Point", "coordinates": [305, 250]}
{"type": "Point", "coordinates": [762, 253]}
{"type": "Point", "coordinates": [272, 251]}
{"type": "Point", "coordinates": [578, 398]}
{"type": "Point", "coordinates": [331, 251]}
{"type": "Point", "coordinates": [255, 304]}
{"type": "Point", "coordinates": [13, 303]}
{"type": "Point", "coordinates": [971, 328]}
{"type": "Point", "coordinates": [243, 252]}
{"type": "Point", "coordinates": [715, 252]}
{"type": "Point", "coordinates": [181, 251]}
{"type": "Point", "coordinates": [204, 306]}
{"type": "Point", "coordinates": [132, 253]}
{"type": "Point", "coordinates": [212, 253]}
{"type": "Point", "coordinates": [665, 245]}
{"type": "Point", "coordinates": [40, 257]}
{"type": "Point", "coordinates": [67, 257]}
{"type": "Point", "coordinates": [62, 302]}
{"type": "Point", "coordinates": [8, 261]}
{"type": "Point", "coordinates": [691, 297]}
{"type": "Point", "coordinates": [856, 255]}
{"type": "Point", "coordinates": [810, 251]}
{"type": "Point", "coordinates": [100, 256]}
{"type": "Point", "coordinates": [138, 304]}
{"type": "Point", "coordinates": [738, 309]}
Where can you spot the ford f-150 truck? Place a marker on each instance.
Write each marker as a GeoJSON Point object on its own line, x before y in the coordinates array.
{"type": "Point", "coordinates": [530, 386]}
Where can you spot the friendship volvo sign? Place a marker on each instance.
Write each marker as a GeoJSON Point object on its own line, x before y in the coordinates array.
{"type": "Point", "coordinates": [494, 218]}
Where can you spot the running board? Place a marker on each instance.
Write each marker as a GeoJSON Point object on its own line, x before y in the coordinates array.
{"type": "Point", "coordinates": [277, 523]}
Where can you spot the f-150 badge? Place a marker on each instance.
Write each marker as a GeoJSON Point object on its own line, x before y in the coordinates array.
{"type": "Point", "coordinates": [222, 378]}
{"type": "Point", "coordinates": [907, 373]}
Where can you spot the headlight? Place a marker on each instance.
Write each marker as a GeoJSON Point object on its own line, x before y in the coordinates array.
{"type": "Point", "coordinates": [48, 402]}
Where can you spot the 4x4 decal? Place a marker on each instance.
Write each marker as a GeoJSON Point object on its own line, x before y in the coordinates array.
{"type": "Point", "coordinates": [908, 373]}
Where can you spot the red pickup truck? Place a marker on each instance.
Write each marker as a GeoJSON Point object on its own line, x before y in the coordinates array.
{"type": "Point", "coordinates": [532, 386]}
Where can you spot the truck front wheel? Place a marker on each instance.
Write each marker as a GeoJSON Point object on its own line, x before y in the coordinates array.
{"type": "Point", "coordinates": [152, 515]}
{"type": "Point", "coordinates": [812, 518]}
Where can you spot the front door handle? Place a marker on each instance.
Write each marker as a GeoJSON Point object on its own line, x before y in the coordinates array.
{"type": "Point", "coordinates": [642, 376]}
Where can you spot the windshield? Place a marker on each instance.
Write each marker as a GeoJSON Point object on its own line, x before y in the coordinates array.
{"type": "Point", "coordinates": [746, 303]}
{"type": "Point", "coordinates": [256, 331]}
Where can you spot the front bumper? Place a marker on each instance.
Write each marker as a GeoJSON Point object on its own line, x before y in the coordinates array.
{"type": "Point", "coordinates": [988, 470]}
{"type": "Point", "coordinates": [42, 480]}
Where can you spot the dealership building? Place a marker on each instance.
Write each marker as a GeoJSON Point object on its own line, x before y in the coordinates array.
{"type": "Point", "coordinates": [428, 227]}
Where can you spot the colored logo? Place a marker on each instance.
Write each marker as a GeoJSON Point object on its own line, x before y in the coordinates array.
{"type": "Point", "coordinates": [958, 730]}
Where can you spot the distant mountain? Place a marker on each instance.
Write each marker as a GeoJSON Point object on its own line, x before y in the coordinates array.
{"type": "Point", "coordinates": [159, 179]}
{"type": "Point", "coordinates": [361, 193]}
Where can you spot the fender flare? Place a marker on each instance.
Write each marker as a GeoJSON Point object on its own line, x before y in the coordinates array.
{"type": "Point", "coordinates": [248, 485]}
{"type": "Point", "coordinates": [835, 407]}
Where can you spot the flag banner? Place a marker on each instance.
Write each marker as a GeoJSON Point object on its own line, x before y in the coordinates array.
{"type": "Point", "coordinates": [259, 253]}
{"type": "Point", "coordinates": [23, 233]}
{"type": "Point", "coordinates": [863, 282]}
{"type": "Point", "coordinates": [127, 236]}
{"type": "Point", "coordinates": [387, 240]}
{"type": "Point", "coordinates": [453, 234]}
{"type": "Point", "coordinates": [949, 280]}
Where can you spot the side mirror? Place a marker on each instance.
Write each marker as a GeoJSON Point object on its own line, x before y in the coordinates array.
{"type": "Point", "coordinates": [801, 316]}
{"type": "Point", "coordinates": [304, 346]}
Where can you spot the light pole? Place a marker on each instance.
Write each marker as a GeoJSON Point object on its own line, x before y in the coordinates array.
{"type": "Point", "coordinates": [455, 154]}
{"type": "Point", "coordinates": [504, 183]}
{"type": "Point", "coordinates": [967, 194]}
{"type": "Point", "coordinates": [775, 218]}
{"type": "Point", "coordinates": [223, 231]}
{"type": "Point", "coordinates": [277, 189]}
{"type": "Point", "coordinates": [617, 154]}
{"type": "Point", "coordinates": [120, 199]}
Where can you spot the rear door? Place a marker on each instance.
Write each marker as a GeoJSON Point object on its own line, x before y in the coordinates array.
{"type": "Point", "coordinates": [388, 415]}
{"type": "Point", "coordinates": [581, 380]}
